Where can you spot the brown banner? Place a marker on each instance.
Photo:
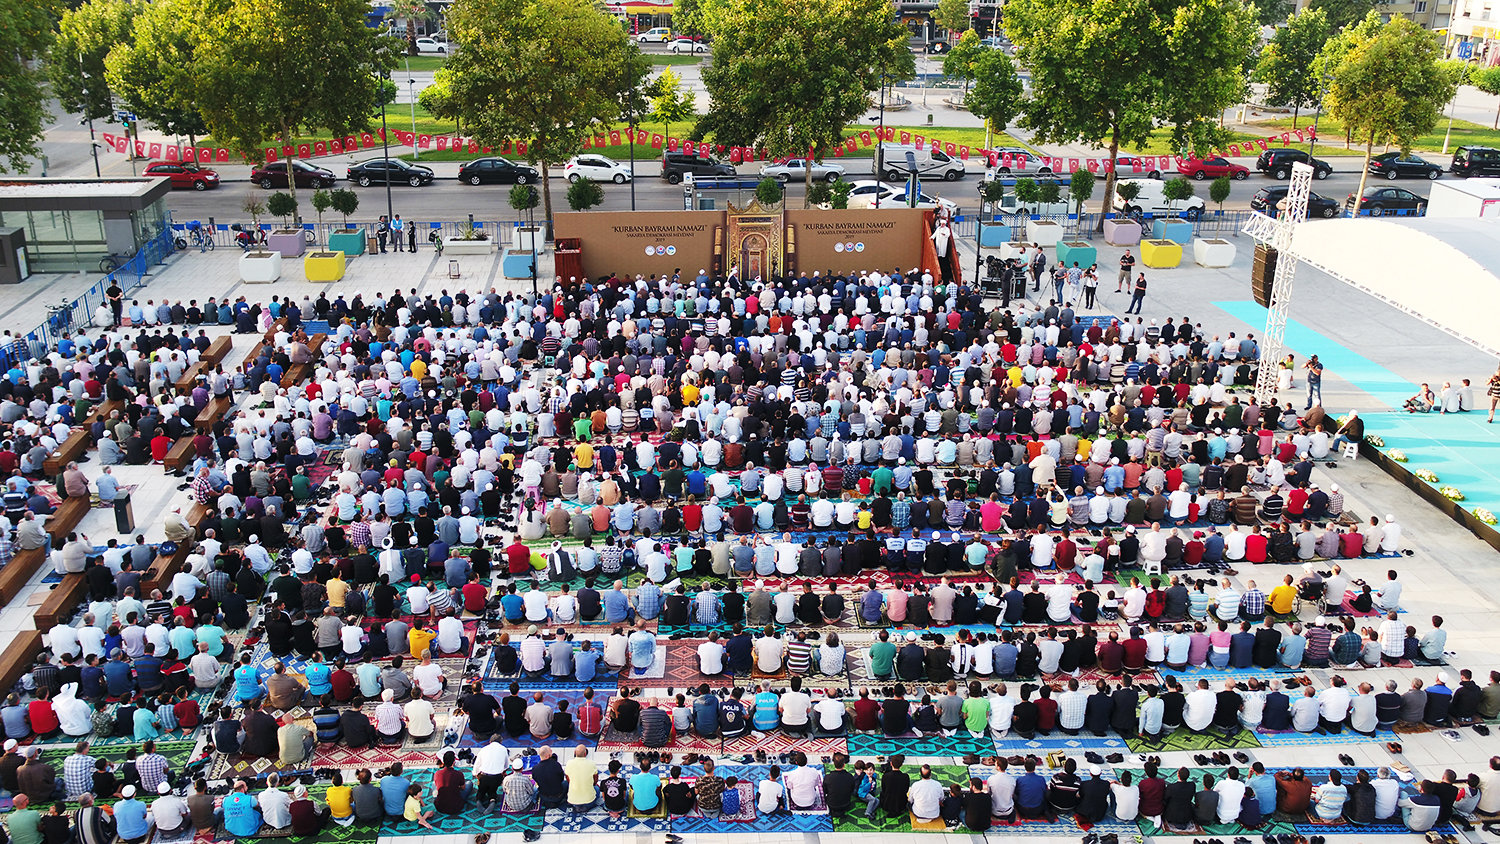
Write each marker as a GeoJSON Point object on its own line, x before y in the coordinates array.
{"type": "Point", "coordinates": [619, 241]}
{"type": "Point", "coordinates": [855, 239]}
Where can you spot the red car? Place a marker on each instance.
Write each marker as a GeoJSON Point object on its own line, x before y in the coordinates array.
{"type": "Point", "coordinates": [184, 175]}
{"type": "Point", "coordinates": [1212, 168]}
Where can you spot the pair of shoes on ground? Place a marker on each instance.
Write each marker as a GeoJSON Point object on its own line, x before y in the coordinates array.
{"type": "Point", "coordinates": [1218, 757]}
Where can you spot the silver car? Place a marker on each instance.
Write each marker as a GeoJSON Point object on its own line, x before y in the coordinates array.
{"type": "Point", "coordinates": [794, 170]}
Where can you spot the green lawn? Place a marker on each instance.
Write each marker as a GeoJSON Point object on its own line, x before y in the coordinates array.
{"type": "Point", "coordinates": [420, 63]}
{"type": "Point", "coordinates": [676, 60]}
{"type": "Point", "coordinates": [1331, 137]}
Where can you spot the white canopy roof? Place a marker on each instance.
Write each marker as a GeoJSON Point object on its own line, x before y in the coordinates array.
{"type": "Point", "coordinates": [1404, 261]}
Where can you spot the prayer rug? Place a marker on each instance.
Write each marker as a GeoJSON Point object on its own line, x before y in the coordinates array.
{"type": "Point", "coordinates": [598, 821]}
{"type": "Point", "coordinates": [655, 671]}
{"type": "Point", "coordinates": [181, 835]}
{"type": "Point", "coordinates": [934, 825]}
{"type": "Point", "coordinates": [473, 820]}
{"type": "Point", "coordinates": [658, 813]}
{"type": "Point", "coordinates": [787, 822]}
{"type": "Point", "coordinates": [911, 745]}
{"type": "Point", "coordinates": [1183, 739]}
{"type": "Point", "coordinates": [177, 753]}
{"type": "Point", "coordinates": [745, 816]}
{"type": "Point", "coordinates": [777, 743]}
{"type": "Point", "coordinates": [614, 741]}
{"type": "Point", "coordinates": [1013, 744]}
{"type": "Point", "coordinates": [680, 668]}
{"type": "Point", "coordinates": [1296, 739]}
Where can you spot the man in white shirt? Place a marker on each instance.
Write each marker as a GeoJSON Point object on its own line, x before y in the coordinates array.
{"type": "Point", "coordinates": [450, 634]}
{"type": "Point", "coordinates": [1333, 706]}
{"type": "Point", "coordinates": [926, 796]}
{"type": "Point", "coordinates": [1060, 600]}
{"type": "Point", "coordinates": [1231, 791]}
{"type": "Point", "coordinates": [565, 607]}
{"type": "Point", "coordinates": [795, 707]}
{"type": "Point", "coordinates": [1198, 710]}
{"type": "Point", "coordinates": [275, 804]}
{"type": "Point", "coordinates": [711, 656]}
{"type": "Point", "coordinates": [831, 712]}
{"type": "Point", "coordinates": [535, 602]}
{"type": "Point", "coordinates": [1002, 707]}
{"type": "Point", "coordinates": [429, 677]}
{"type": "Point", "coordinates": [769, 651]}
{"type": "Point", "coordinates": [1002, 787]}
{"type": "Point", "coordinates": [803, 786]}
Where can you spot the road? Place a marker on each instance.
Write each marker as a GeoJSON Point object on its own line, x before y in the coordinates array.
{"type": "Point", "coordinates": [447, 199]}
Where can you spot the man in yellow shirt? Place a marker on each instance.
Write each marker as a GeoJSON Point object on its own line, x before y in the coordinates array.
{"type": "Point", "coordinates": [1283, 597]}
{"type": "Point", "coordinates": [419, 638]}
{"type": "Point", "coordinates": [340, 799]}
{"type": "Point", "coordinates": [583, 456]}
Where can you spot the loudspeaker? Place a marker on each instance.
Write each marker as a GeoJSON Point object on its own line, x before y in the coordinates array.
{"type": "Point", "coordinates": [1263, 274]}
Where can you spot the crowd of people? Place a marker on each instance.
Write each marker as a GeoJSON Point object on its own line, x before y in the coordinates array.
{"type": "Point", "coordinates": [722, 444]}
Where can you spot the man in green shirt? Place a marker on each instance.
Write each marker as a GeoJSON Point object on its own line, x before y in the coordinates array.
{"type": "Point", "coordinates": [882, 657]}
{"type": "Point", "coordinates": [882, 480]}
{"type": "Point", "coordinates": [25, 823]}
{"type": "Point", "coordinates": [583, 428]}
{"type": "Point", "coordinates": [976, 715]}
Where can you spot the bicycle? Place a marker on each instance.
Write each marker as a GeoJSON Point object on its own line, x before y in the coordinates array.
{"type": "Point", "coordinates": [197, 235]}
{"type": "Point", "coordinates": [114, 261]}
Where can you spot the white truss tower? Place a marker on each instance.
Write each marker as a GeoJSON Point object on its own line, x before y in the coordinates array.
{"type": "Point", "coordinates": [1277, 233]}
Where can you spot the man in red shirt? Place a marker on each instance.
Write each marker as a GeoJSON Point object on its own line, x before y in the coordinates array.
{"type": "Point", "coordinates": [1135, 651]}
{"type": "Point", "coordinates": [1255, 546]}
{"type": "Point", "coordinates": [589, 718]}
{"type": "Point", "coordinates": [517, 557]}
{"type": "Point", "coordinates": [475, 594]}
{"type": "Point", "coordinates": [1112, 654]}
{"type": "Point", "coordinates": [866, 713]}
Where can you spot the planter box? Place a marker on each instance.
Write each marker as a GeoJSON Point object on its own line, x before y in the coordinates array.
{"type": "Point", "coordinates": [459, 246]}
{"type": "Point", "coordinates": [1122, 232]}
{"type": "Point", "coordinates": [288, 242]}
{"type": "Point", "coordinates": [1164, 228]}
{"type": "Point", "coordinates": [522, 237]}
{"type": "Point", "coordinates": [516, 263]}
{"type": "Point", "coordinates": [1161, 254]}
{"type": "Point", "coordinates": [349, 242]}
{"type": "Point", "coordinates": [324, 266]}
{"type": "Point", "coordinates": [1014, 249]}
{"type": "Point", "coordinates": [260, 267]}
{"type": "Point", "coordinates": [1213, 252]}
{"type": "Point", "coordinates": [1044, 233]}
{"type": "Point", "coordinates": [994, 236]}
{"type": "Point", "coordinates": [1080, 251]}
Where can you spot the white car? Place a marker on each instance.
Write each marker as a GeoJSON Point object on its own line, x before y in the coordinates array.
{"type": "Point", "coordinates": [794, 170]}
{"type": "Point", "coordinates": [687, 45]}
{"type": "Point", "coordinates": [660, 34]}
{"type": "Point", "coordinates": [863, 192]}
{"type": "Point", "coordinates": [597, 167]}
{"type": "Point", "coordinates": [432, 45]}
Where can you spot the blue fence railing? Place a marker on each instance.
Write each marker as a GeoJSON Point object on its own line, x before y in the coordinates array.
{"type": "Point", "coordinates": [1085, 225]}
{"type": "Point", "coordinates": [79, 313]}
{"type": "Point", "coordinates": [224, 234]}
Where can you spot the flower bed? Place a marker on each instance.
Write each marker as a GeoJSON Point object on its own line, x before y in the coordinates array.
{"type": "Point", "coordinates": [1427, 475]}
{"type": "Point", "coordinates": [1452, 493]}
{"type": "Point", "coordinates": [1397, 455]}
{"type": "Point", "coordinates": [1484, 515]}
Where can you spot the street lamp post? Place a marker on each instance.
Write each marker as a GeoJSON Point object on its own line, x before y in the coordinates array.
{"type": "Point", "coordinates": [979, 236]}
{"type": "Point", "coordinates": [93, 145]}
{"type": "Point", "coordinates": [411, 87]}
{"type": "Point", "coordinates": [531, 221]}
{"type": "Point", "coordinates": [385, 142]}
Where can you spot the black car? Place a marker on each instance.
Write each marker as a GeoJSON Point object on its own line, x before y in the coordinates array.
{"type": "Point", "coordinates": [497, 171]}
{"type": "Point", "coordinates": [1475, 161]}
{"type": "Point", "coordinates": [273, 175]}
{"type": "Point", "coordinates": [1266, 199]}
{"type": "Point", "coordinates": [1392, 165]}
{"type": "Point", "coordinates": [1379, 201]}
{"type": "Point", "coordinates": [674, 165]}
{"type": "Point", "coordinates": [380, 171]}
{"type": "Point", "coordinates": [1277, 163]}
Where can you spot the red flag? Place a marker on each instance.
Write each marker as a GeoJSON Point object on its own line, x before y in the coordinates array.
{"type": "Point", "coordinates": [1007, 159]}
{"type": "Point", "coordinates": [614, 137]}
{"type": "Point", "coordinates": [350, 143]}
{"type": "Point", "coordinates": [205, 155]}
{"type": "Point", "coordinates": [172, 153]}
{"type": "Point", "coordinates": [1092, 164]}
{"type": "Point", "coordinates": [963, 152]}
{"type": "Point", "coordinates": [1166, 162]}
{"type": "Point", "coordinates": [304, 151]}
{"type": "Point", "coordinates": [189, 154]}
{"type": "Point", "coordinates": [271, 155]}
{"type": "Point", "coordinates": [864, 138]}
{"type": "Point", "coordinates": [671, 144]}
{"type": "Point", "coordinates": [656, 140]}
{"type": "Point", "coordinates": [1108, 164]}
{"type": "Point", "coordinates": [109, 139]}
{"type": "Point", "coordinates": [424, 141]}
{"type": "Point", "coordinates": [155, 150]}
{"type": "Point", "coordinates": [405, 138]}
{"type": "Point", "coordinates": [1234, 150]}
{"type": "Point", "coordinates": [336, 146]}
{"type": "Point", "coordinates": [474, 146]}
{"type": "Point", "coordinates": [320, 148]}
{"type": "Point", "coordinates": [850, 145]}
{"type": "Point", "coordinates": [1072, 165]}
{"type": "Point", "coordinates": [950, 148]}
{"type": "Point", "coordinates": [1286, 139]}
{"type": "Point", "coordinates": [601, 140]}
{"type": "Point", "coordinates": [122, 144]}
{"type": "Point", "coordinates": [520, 147]}
{"type": "Point", "coordinates": [221, 155]}
{"type": "Point", "coordinates": [838, 151]}
{"type": "Point", "coordinates": [919, 141]}
{"type": "Point", "coordinates": [1311, 132]}
{"type": "Point", "coordinates": [442, 142]}
{"type": "Point", "coordinates": [906, 138]}
{"type": "Point", "coordinates": [366, 140]}
{"type": "Point", "coordinates": [734, 155]}
{"type": "Point", "coordinates": [689, 147]}
{"type": "Point", "coordinates": [937, 145]}
{"type": "Point", "coordinates": [287, 151]}
{"type": "Point", "coordinates": [1299, 135]}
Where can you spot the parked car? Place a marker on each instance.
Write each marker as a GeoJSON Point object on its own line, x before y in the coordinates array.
{"type": "Point", "coordinates": [1393, 165]}
{"type": "Point", "coordinates": [862, 194]}
{"type": "Point", "coordinates": [1380, 200]}
{"type": "Point", "coordinates": [381, 171]}
{"type": "Point", "coordinates": [674, 165]}
{"type": "Point", "coordinates": [1031, 158]}
{"type": "Point", "coordinates": [1152, 200]}
{"type": "Point", "coordinates": [795, 170]}
{"type": "Point", "coordinates": [937, 48]}
{"type": "Point", "coordinates": [273, 175]}
{"type": "Point", "coordinates": [1475, 161]}
{"type": "Point", "coordinates": [1126, 164]}
{"type": "Point", "coordinates": [1277, 163]}
{"type": "Point", "coordinates": [1212, 168]}
{"type": "Point", "coordinates": [1267, 199]}
{"type": "Point", "coordinates": [184, 175]}
{"type": "Point", "coordinates": [432, 45]}
{"type": "Point", "coordinates": [597, 167]}
{"type": "Point", "coordinates": [931, 163]}
{"type": "Point", "coordinates": [994, 42]}
{"type": "Point", "coordinates": [687, 45]}
{"type": "Point", "coordinates": [497, 171]}
{"type": "Point", "coordinates": [660, 35]}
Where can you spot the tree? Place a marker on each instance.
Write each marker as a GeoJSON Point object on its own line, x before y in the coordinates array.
{"type": "Point", "coordinates": [962, 61]}
{"type": "Point", "coordinates": [345, 202]}
{"type": "Point", "coordinates": [1342, 13]}
{"type": "Point", "coordinates": [1081, 189]}
{"type": "Point", "coordinates": [152, 71]}
{"type": "Point", "coordinates": [545, 72]}
{"type": "Point", "coordinates": [522, 198]}
{"type": "Point", "coordinates": [769, 191]}
{"type": "Point", "coordinates": [269, 69]}
{"type": "Point", "coordinates": [669, 103]}
{"type": "Point", "coordinates": [23, 41]}
{"type": "Point", "coordinates": [1177, 190]}
{"type": "Point", "coordinates": [1218, 190]}
{"type": "Point", "coordinates": [1127, 190]}
{"type": "Point", "coordinates": [820, 193]}
{"type": "Point", "coordinates": [839, 199]}
{"type": "Point", "coordinates": [788, 76]}
{"type": "Point", "coordinates": [1272, 12]}
{"type": "Point", "coordinates": [75, 67]}
{"type": "Point", "coordinates": [1107, 73]}
{"type": "Point", "coordinates": [254, 207]}
{"type": "Point", "coordinates": [437, 98]}
{"type": "Point", "coordinates": [1487, 79]}
{"type": "Point", "coordinates": [1286, 64]}
{"type": "Point", "coordinates": [1028, 193]}
{"type": "Point", "coordinates": [993, 192]}
{"type": "Point", "coordinates": [585, 194]}
{"type": "Point", "coordinates": [687, 17]}
{"type": "Point", "coordinates": [1334, 51]}
{"type": "Point", "coordinates": [322, 200]}
{"type": "Point", "coordinates": [1390, 88]}
{"type": "Point", "coordinates": [410, 12]}
{"type": "Point", "coordinates": [952, 15]}
{"type": "Point", "coordinates": [282, 205]}
{"type": "Point", "coordinates": [1049, 192]}
{"type": "Point", "coordinates": [998, 92]}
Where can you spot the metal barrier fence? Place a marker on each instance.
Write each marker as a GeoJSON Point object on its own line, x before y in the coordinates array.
{"type": "Point", "coordinates": [224, 234]}
{"type": "Point", "coordinates": [1084, 226]}
{"type": "Point", "coordinates": [79, 313]}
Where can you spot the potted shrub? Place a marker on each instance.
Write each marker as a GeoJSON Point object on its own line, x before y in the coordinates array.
{"type": "Point", "coordinates": [348, 240]}
{"type": "Point", "coordinates": [1046, 232]}
{"type": "Point", "coordinates": [585, 194]}
{"type": "Point", "coordinates": [288, 239]}
{"type": "Point", "coordinates": [321, 201]}
{"type": "Point", "coordinates": [993, 234]}
{"type": "Point", "coordinates": [1175, 227]}
{"type": "Point", "coordinates": [470, 240]}
{"type": "Point", "coordinates": [1123, 231]}
{"type": "Point", "coordinates": [769, 192]}
{"type": "Point", "coordinates": [839, 195]}
{"type": "Point", "coordinates": [523, 198]}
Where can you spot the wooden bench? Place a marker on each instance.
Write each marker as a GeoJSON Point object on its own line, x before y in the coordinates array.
{"type": "Point", "coordinates": [217, 351]}
{"type": "Point", "coordinates": [213, 411]}
{"type": "Point", "coordinates": [159, 574]}
{"type": "Point", "coordinates": [179, 455]}
{"type": "Point", "coordinates": [189, 377]}
{"type": "Point", "coordinates": [71, 449]}
{"type": "Point", "coordinates": [17, 573]}
{"type": "Point", "coordinates": [67, 517]}
{"type": "Point", "coordinates": [299, 373]}
{"type": "Point", "coordinates": [19, 657]}
{"type": "Point", "coordinates": [102, 411]}
{"type": "Point", "coordinates": [61, 603]}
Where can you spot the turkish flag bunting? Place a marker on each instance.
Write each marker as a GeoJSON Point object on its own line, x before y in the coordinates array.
{"type": "Point", "coordinates": [155, 150]}
{"type": "Point", "coordinates": [950, 148]}
{"type": "Point", "coordinates": [600, 141]}
{"type": "Point", "coordinates": [189, 154]}
{"type": "Point", "coordinates": [221, 155]}
{"type": "Point", "coordinates": [919, 141]}
{"type": "Point", "coordinates": [172, 153]}
{"type": "Point", "coordinates": [406, 138]}
{"type": "Point", "coordinates": [271, 155]}
{"type": "Point", "coordinates": [850, 144]}
{"type": "Point", "coordinates": [1138, 165]}
{"type": "Point", "coordinates": [1107, 164]}
{"type": "Point", "coordinates": [963, 152]}
{"type": "Point", "coordinates": [520, 147]}
{"type": "Point", "coordinates": [505, 147]}
{"type": "Point", "coordinates": [689, 147]}
{"type": "Point", "coordinates": [1166, 162]}
{"type": "Point", "coordinates": [367, 140]}
{"type": "Point", "coordinates": [1007, 159]}
{"type": "Point", "coordinates": [1299, 135]}
{"type": "Point", "coordinates": [656, 140]}
{"type": "Point", "coordinates": [336, 146]}
{"type": "Point", "coordinates": [320, 148]}
{"type": "Point", "coordinates": [671, 144]}
{"type": "Point", "coordinates": [350, 143]}
{"type": "Point", "coordinates": [304, 151]}
{"type": "Point", "coordinates": [474, 146]}
{"type": "Point", "coordinates": [1311, 132]}
{"type": "Point", "coordinates": [864, 138]}
{"type": "Point", "coordinates": [937, 145]}
{"type": "Point", "coordinates": [614, 138]}
{"type": "Point", "coordinates": [1286, 138]}
{"type": "Point", "coordinates": [122, 144]}
{"type": "Point", "coordinates": [424, 141]}
{"type": "Point", "coordinates": [906, 138]}
{"type": "Point", "coordinates": [838, 152]}
{"type": "Point", "coordinates": [205, 155]}
{"type": "Point", "coordinates": [442, 142]}
{"type": "Point", "coordinates": [1093, 165]}
{"type": "Point", "coordinates": [287, 151]}
{"type": "Point", "coordinates": [1234, 150]}
{"type": "Point", "coordinates": [109, 140]}
{"type": "Point", "coordinates": [734, 155]}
